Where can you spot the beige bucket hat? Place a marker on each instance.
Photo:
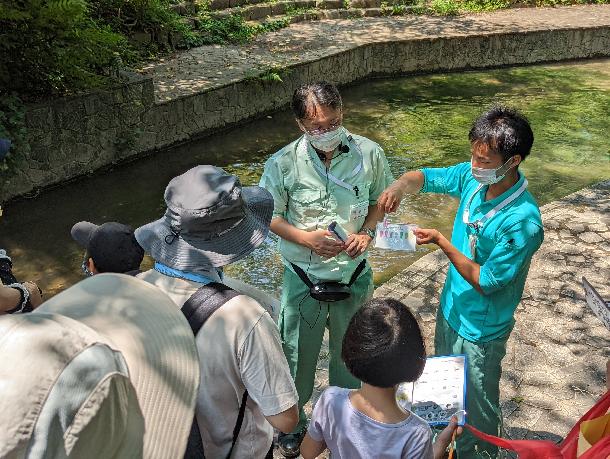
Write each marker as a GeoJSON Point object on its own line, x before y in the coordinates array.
{"type": "Point", "coordinates": [107, 368]}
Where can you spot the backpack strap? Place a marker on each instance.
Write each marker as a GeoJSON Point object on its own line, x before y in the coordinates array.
{"type": "Point", "coordinates": [197, 310]}
{"type": "Point", "coordinates": [205, 302]}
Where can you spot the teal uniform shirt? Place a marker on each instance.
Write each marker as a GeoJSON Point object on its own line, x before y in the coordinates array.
{"type": "Point", "coordinates": [310, 201]}
{"type": "Point", "coordinates": [504, 249]}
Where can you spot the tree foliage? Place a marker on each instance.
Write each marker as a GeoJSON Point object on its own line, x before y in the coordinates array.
{"type": "Point", "coordinates": [52, 46]}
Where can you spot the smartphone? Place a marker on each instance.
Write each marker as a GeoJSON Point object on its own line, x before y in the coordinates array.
{"type": "Point", "coordinates": [337, 231]}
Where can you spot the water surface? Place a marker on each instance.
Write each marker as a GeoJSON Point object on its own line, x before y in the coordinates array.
{"type": "Point", "coordinates": [420, 121]}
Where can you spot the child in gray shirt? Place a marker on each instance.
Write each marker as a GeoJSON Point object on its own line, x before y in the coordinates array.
{"type": "Point", "coordinates": [383, 347]}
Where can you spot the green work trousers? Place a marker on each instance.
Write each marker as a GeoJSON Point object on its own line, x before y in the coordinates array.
{"type": "Point", "coordinates": [302, 322]}
{"type": "Point", "coordinates": [482, 386]}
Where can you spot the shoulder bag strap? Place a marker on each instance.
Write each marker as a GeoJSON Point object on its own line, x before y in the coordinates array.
{"type": "Point", "coordinates": [198, 309]}
{"type": "Point", "coordinates": [205, 302]}
{"type": "Point", "coordinates": [239, 422]}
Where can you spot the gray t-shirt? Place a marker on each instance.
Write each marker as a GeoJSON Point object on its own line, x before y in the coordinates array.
{"type": "Point", "coordinates": [350, 434]}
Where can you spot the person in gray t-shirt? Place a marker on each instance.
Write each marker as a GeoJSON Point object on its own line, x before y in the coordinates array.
{"type": "Point", "coordinates": [383, 347]}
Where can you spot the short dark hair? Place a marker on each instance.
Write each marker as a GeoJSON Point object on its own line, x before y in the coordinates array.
{"type": "Point", "coordinates": [504, 130]}
{"type": "Point", "coordinates": [308, 96]}
{"type": "Point", "coordinates": [383, 345]}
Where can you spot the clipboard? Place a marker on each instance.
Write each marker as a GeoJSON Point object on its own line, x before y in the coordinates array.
{"type": "Point", "coordinates": [439, 393]}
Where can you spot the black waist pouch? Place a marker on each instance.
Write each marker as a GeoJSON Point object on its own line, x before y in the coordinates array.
{"type": "Point", "coordinates": [329, 291]}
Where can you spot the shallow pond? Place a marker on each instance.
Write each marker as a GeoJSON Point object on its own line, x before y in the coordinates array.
{"type": "Point", "coordinates": [420, 121]}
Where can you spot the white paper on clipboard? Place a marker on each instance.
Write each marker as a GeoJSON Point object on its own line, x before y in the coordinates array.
{"type": "Point", "coordinates": [439, 393]}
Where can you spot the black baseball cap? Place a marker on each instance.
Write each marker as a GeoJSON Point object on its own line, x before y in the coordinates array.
{"type": "Point", "coordinates": [112, 246]}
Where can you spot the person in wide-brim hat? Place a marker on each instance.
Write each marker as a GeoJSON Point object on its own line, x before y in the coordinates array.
{"type": "Point", "coordinates": [210, 221]}
{"type": "Point", "coordinates": [246, 388]}
{"type": "Point", "coordinates": [106, 369]}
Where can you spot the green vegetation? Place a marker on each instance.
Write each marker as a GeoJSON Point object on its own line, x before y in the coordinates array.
{"type": "Point", "coordinates": [50, 47]}
{"type": "Point", "coordinates": [12, 127]}
{"type": "Point", "coordinates": [56, 47]}
{"type": "Point", "coordinates": [234, 29]}
{"type": "Point", "coordinates": [453, 7]}
{"type": "Point", "coordinates": [444, 7]}
{"type": "Point", "coordinates": [268, 74]}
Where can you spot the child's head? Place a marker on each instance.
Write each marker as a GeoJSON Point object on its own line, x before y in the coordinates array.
{"type": "Point", "coordinates": [383, 345]}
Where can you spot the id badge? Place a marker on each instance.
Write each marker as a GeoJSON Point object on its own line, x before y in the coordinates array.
{"type": "Point", "coordinates": [359, 210]}
{"type": "Point", "coordinates": [472, 239]}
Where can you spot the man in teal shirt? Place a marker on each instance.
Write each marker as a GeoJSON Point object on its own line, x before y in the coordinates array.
{"type": "Point", "coordinates": [496, 232]}
{"type": "Point", "coordinates": [327, 175]}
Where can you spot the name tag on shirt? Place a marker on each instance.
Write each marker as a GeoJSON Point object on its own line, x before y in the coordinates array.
{"type": "Point", "coordinates": [360, 210]}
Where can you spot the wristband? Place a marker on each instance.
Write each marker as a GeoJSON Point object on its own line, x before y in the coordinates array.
{"type": "Point", "coordinates": [369, 232]}
{"type": "Point", "coordinates": [25, 297]}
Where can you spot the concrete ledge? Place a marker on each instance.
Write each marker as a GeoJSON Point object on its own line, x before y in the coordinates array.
{"type": "Point", "coordinates": [75, 136]}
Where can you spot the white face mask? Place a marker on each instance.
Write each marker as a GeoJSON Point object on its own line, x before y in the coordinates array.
{"type": "Point", "coordinates": [327, 141]}
{"type": "Point", "coordinates": [491, 176]}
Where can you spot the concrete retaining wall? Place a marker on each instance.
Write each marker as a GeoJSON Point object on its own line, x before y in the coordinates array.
{"type": "Point", "coordinates": [77, 135]}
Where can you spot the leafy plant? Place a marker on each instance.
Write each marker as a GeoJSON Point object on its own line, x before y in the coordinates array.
{"type": "Point", "coordinates": [228, 29]}
{"type": "Point", "coordinates": [444, 7]}
{"type": "Point", "coordinates": [268, 74]}
{"type": "Point", "coordinates": [397, 8]}
{"type": "Point", "coordinates": [12, 127]}
{"type": "Point", "coordinates": [127, 16]}
{"type": "Point", "coordinates": [234, 29]}
{"type": "Point", "coordinates": [53, 46]}
{"type": "Point", "coordinates": [485, 5]}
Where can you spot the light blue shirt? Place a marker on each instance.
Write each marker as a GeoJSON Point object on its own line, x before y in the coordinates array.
{"type": "Point", "coordinates": [504, 249]}
{"type": "Point", "coordinates": [350, 434]}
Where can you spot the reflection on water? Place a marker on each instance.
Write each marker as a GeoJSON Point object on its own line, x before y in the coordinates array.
{"type": "Point", "coordinates": [420, 121]}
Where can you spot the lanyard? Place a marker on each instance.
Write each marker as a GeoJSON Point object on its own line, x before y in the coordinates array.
{"type": "Point", "coordinates": [478, 224]}
{"type": "Point", "coordinates": [324, 173]}
{"type": "Point", "coordinates": [195, 277]}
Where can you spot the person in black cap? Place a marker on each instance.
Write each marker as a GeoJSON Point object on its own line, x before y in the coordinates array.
{"type": "Point", "coordinates": [111, 248]}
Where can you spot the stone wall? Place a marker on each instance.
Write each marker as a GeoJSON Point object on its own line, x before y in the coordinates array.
{"type": "Point", "coordinates": [74, 136]}
{"type": "Point", "coordinates": [77, 135]}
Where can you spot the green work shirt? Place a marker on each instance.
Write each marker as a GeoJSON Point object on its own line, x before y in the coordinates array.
{"type": "Point", "coordinates": [504, 249]}
{"type": "Point", "coordinates": [310, 201]}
